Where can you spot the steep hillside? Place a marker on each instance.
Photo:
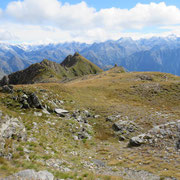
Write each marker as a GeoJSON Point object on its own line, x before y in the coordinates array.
{"type": "Point", "coordinates": [110, 126]}
{"type": "Point", "coordinates": [49, 71]}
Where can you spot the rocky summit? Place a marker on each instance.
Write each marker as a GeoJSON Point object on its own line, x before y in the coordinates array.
{"type": "Point", "coordinates": [85, 123]}
{"type": "Point", "coordinates": [49, 71]}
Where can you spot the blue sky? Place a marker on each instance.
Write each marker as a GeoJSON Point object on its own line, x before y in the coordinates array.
{"type": "Point", "coordinates": [44, 21]}
{"type": "Point", "coordinates": [99, 4]}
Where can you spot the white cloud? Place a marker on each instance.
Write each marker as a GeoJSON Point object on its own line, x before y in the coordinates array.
{"type": "Point", "coordinates": [51, 12]}
{"type": "Point", "coordinates": [142, 15]}
{"type": "Point", "coordinates": [33, 11]}
{"type": "Point", "coordinates": [6, 35]}
{"type": "Point", "coordinates": [50, 20]}
{"type": "Point", "coordinates": [35, 33]}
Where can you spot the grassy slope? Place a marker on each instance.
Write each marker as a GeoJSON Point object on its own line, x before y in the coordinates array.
{"type": "Point", "coordinates": [83, 66]}
{"type": "Point", "coordinates": [105, 94]}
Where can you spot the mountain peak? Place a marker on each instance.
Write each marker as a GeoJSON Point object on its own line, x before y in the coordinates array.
{"type": "Point", "coordinates": [80, 65]}
{"type": "Point", "coordinates": [76, 54]}
{"type": "Point", "coordinates": [70, 60]}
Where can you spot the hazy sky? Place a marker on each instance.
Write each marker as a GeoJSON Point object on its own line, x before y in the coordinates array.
{"type": "Point", "coordinates": [44, 21]}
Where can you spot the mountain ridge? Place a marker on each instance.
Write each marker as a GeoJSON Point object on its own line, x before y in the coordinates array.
{"type": "Point", "coordinates": [49, 71]}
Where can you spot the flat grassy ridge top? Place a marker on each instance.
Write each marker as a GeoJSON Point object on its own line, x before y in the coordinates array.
{"type": "Point", "coordinates": [49, 71]}
{"type": "Point", "coordinates": [146, 98]}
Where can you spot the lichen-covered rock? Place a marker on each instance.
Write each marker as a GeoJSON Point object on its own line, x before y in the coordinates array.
{"type": "Point", "coordinates": [140, 139]}
{"type": "Point", "coordinates": [7, 89]}
{"type": "Point", "coordinates": [164, 134]}
{"type": "Point", "coordinates": [34, 101]}
{"type": "Point", "coordinates": [12, 128]}
{"type": "Point", "coordinates": [30, 174]}
{"type": "Point", "coordinates": [145, 77]}
{"type": "Point", "coordinates": [113, 118]}
{"type": "Point", "coordinates": [124, 126]}
{"type": "Point", "coordinates": [125, 129]}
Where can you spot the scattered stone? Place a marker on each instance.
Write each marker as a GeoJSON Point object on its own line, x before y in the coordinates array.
{"type": "Point", "coordinates": [83, 135]}
{"type": "Point", "coordinates": [39, 114]}
{"type": "Point", "coordinates": [87, 113]}
{"type": "Point", "coordinates": [145, 77]}
{"type": "Point", "coordinates": [30, 174]}
{"type": "Point", "coordinates": [26, 150]}
{"type": "Point", "coordinates": [61, 112]}
{"type": "Point", "coordinates": [7, 89]}
{"type": "Point", "coordinates": [24, 96]}
{"type": "Point", "coordinates": [61, 102]}
{"type": "Point", "coordinates": [55, 163]}
{"type": "Point", "coordinates": [75, 138]}
{"type": "Point", "coordinates": [113, 118]}
{"type": "Point", "coordinates": [96, 116]}
{"type": "Point", "coordinates": [32, 139]}
{"type": "Point", "coordinates": [45, 111]}
{"type": "Point", "coordinates": [122, 138]}
{"type": "Point", "coordinates": [98, 163]}
{"type": "Point", "coordinates": [138, 140]}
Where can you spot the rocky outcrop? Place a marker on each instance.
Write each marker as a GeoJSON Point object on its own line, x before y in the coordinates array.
{"type": "Point", "coordinates": [34, 101]}
{"type": "Point", "coordinates": [140, 139]}
{"type": "Point", "coordinates": [30, 174]}
{"type": "Point", "coordinates": [124, 126]}
{"type": "Point", "coordinates": [12, 128]}
{"type": "Point", "coordinates": [162, 134]}
{"type": "Point", "coordinates": [145, 77]}
{"type": "Point", "coordinates": [7, 89]}
{"type": "Point", "coordinates": [28, 100]}
{"type": "Point", "coordinates": [125, 129]}
{"type": "Point", "coordinates": [4, 81]}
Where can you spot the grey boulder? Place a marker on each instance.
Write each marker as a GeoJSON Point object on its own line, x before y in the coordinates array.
{"type": "Point", "coordinates": [61, 112]}
{"type": "Point", "coordinates": [12, 128]}
{"type": "Point", "coordinates": [30, 174]}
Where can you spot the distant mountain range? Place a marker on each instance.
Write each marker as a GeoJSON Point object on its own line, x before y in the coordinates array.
{"type": "Point", "coordinates": [154, 54]}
